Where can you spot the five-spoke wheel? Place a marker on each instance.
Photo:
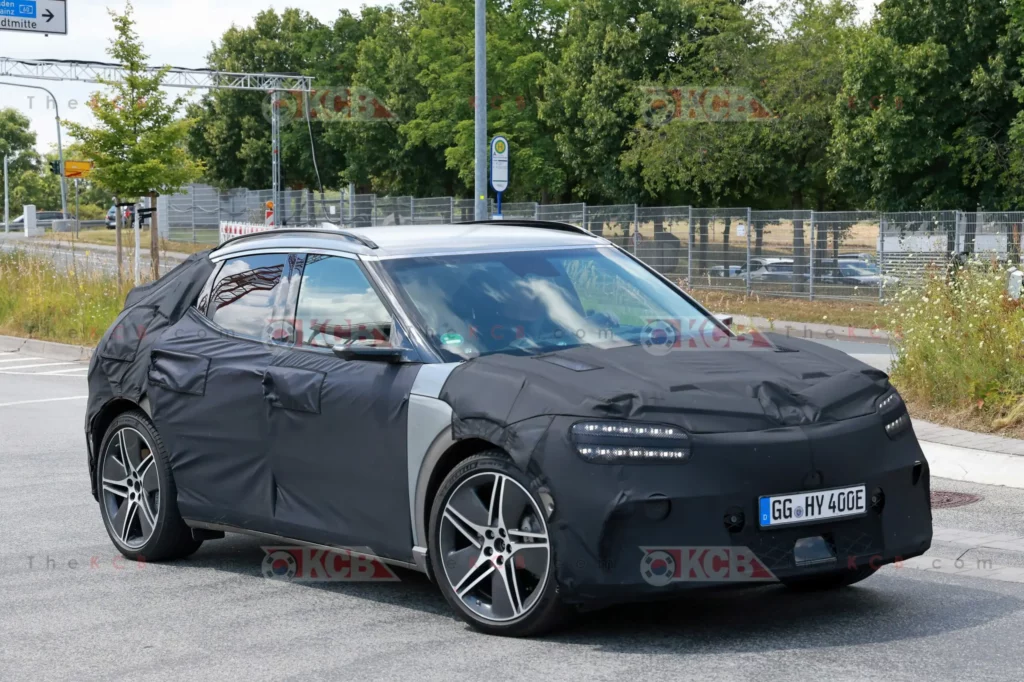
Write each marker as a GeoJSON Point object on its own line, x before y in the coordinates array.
{"type": "Point", "coordinates": [137, 494]}
{"type": "Point", "coordinates": [131, 487]}
{"type": "Point", "coordinates": [491, 551]}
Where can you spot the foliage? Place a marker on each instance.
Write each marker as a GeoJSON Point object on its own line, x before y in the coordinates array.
{"type": "Point", "coordinates": [960, 341]}
{"type": "Point", "coordinates": [138, 145]}
{"type": "Point", "coordinates": [939, 76]}
{"type": "Point", "coordinates": [40, 300]}
{"type": "Point", "coordinates": [919, 108]}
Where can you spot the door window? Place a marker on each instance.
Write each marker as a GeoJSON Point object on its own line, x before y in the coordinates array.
{"type": "Point", "coordinates": [253, 295]}
{"type": "Point", "coordinates": [337, 305]}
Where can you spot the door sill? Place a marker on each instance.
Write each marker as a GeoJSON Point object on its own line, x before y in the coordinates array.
{"type": "Point", "coordinates": [226, 528]}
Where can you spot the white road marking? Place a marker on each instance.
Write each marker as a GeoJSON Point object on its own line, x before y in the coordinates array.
{"type": "Point", "coordinates": [41, 364]}
{"type": "Point", "coordinates": [20, 358]}
{"type": "Point", "coordinates": [55, 372]}
{"type": "Point", "coordinates": [43, 400]}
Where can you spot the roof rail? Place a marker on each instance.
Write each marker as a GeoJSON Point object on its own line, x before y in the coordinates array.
{"type": "Point", "coordinates": [351, 236]}
{"type": "Point", "coordinates": [526, 222]}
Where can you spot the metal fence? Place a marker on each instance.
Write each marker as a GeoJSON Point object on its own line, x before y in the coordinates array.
{"type": "Point", "coordinates": [808, 254]}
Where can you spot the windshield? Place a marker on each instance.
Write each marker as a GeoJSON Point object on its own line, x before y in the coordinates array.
{"type": "Point", "coordinates": [527, 303]}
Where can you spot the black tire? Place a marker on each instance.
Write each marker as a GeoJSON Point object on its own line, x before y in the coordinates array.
{"type": "Point", "coordinates": [170, 538]}
{"type": "Point", "coordinates": [831, 581]}
{"type": "Point", "coordinates": [546, 612]}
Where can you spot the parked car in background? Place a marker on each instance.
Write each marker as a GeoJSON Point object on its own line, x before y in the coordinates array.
{"type": "Point", "coordinates": [43, 219]}
{"type": "Point", "coordinates": [853, 273]}
{"type": "Point", "coordinates": [726, 271]}
{"type": "Point", "coordinates": [126, 220]}
{"type": "Point", "coordinates": [771, 270]}
{"type": "Point", "coordinates": [865, 257]}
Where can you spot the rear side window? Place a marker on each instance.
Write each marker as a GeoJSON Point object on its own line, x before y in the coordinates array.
{"type": "Point", "coordinates": [253, 296]}
{"type": "Point", "coordinates": [337, 305]}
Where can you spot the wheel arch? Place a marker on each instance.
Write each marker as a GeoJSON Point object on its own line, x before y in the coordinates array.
{"type": "Point", "coordinates": [98, 429]}
{"type": "Point", "coordinates": [444, 454]}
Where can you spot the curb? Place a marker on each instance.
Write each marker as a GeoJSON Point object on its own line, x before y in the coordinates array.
{"type": "Point", "coordinates": [45, 349]}
{"type": "Point", "coordinates": [974, 466]}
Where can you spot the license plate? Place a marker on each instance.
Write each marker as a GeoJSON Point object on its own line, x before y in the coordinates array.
{"type": "Point", "coordinates": [815, 505]}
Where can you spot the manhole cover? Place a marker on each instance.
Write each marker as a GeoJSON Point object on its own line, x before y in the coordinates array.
{"type": "Point", "coordinates": [944, 499]}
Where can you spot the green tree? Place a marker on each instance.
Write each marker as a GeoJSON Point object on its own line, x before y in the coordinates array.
{"type": "Point", "coordinates": [138, 144]}
{"type": "Point", "coordinates": [933, 87]}
{"type": "Point", "coordinates": [521, 40]}
{"type": "Point", "coordinates": [595, 88]}
{"type": "Point", "coordinates": [232, 131]}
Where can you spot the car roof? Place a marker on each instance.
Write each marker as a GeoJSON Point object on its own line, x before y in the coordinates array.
{"type": "Point", "coordinates": [419, 240]}
{"type": "Point", "coordinates": [772, 261]}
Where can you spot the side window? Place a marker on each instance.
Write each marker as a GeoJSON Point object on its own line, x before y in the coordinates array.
{"type": "Point", "coordinates": [337, 305]}
{"type": "Point", "coordinates": [253, 295]}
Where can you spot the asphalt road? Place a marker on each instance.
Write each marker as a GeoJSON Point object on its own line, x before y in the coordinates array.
{"type": "Point", "coordinates": [70, 608]}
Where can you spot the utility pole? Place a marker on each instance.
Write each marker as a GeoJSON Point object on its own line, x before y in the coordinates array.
{"type": "Point", "coordinates": [480, 114]}
{"type": "Point", "coordinates": [60, 148]}
{"type": "Point", "coordinates": [7, 198]}
{"type": "Point", "coordinates": [275, 161]}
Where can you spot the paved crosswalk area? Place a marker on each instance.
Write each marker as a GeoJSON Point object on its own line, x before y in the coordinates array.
{"type": "Point", "coordinates": [19, 363]}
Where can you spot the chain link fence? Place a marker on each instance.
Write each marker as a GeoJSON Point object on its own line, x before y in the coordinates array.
{"type": "Point", "coordinates": [848, 255]}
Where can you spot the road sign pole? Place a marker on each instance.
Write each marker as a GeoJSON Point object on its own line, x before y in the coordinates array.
{"type": "Point", "coordinates": [138, 240]}
{"type": "Point", "coordinates": [498, 215]}
{"type": "Point", "coordinates": [60, 157]}
{"type": "Point", "coordinates": [78, 216]}
{"type": "Point", "coordinates": [480, 114]}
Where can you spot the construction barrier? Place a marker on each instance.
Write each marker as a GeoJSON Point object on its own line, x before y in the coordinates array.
{"type": "Point", "coordinates": [231, 230]}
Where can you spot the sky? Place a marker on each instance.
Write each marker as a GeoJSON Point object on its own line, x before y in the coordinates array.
{"type": "Point", "coordinates": [177, 32]}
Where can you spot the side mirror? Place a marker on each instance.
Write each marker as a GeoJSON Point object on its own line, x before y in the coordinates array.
{"type": "Point", "coordinates": [360, 351]}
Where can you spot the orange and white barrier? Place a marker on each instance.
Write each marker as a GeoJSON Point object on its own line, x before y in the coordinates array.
{"type": "Point", "coordinates": [231, 230]}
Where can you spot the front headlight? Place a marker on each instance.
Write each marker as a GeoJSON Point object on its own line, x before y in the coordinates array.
{"type": "Point", "coordinates": [605, 441]}
{"type": "Point", "coordinates": [894, 414]}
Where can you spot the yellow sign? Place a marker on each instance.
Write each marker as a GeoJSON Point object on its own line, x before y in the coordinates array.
{"type": "Point", "coordinates": [77, 169]}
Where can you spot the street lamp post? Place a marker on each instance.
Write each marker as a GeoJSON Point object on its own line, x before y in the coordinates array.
{"type": "Point", "coordinates": [60, 147]}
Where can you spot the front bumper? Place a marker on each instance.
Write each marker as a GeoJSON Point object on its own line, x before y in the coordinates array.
{"type": "Point", "coordinates": [609, 517]}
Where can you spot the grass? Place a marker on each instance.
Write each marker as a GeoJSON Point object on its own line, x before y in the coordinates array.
{"type": "Point", "coordinates": [107, 237]}
{"type": "Point", "coordinates": [866, 315]}
{"type": "Point", "coordinates": [960, 345]}
{"type": "Point", "coordinates": [41, 301]}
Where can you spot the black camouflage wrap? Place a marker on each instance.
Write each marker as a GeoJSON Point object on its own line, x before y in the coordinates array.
{"type": "Point", "coordinates": [799, 417]}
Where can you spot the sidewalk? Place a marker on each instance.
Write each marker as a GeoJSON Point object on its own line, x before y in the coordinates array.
{"type": "Point", "coordinates": [812, 330]}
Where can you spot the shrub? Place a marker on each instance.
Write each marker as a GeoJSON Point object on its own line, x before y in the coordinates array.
{"type": "Point", "coordinates": [40, 300]}
{"type": "Point", "coordinates": [960, 342]}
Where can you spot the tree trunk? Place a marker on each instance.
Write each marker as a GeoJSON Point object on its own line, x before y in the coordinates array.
{"type": "Point", "coordinates": [154, 239]}
{"type": "Point", "coordinates": [820, 246]}
{"type": "Point", "coordinates": [758, 236]}
{"type": "Point", "coordinates": [117, 240]}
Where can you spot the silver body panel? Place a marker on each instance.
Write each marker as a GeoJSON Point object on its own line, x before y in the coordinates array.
{"type": "Point", "coordinates": [428, 419]}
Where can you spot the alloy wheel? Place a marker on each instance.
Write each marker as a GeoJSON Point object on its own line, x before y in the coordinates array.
{"type": "Point", "coordinates": [130, 488]}
{"type": "Point", "coordinates": [494, 547]}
